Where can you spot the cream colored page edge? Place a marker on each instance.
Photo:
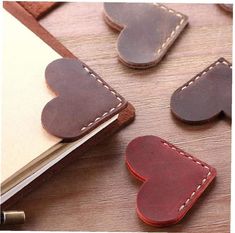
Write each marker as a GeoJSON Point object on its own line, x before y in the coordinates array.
{"type": "Point", "coordinates": [53, 159]}
{"type": "Point", "coordinates": [25, 57]}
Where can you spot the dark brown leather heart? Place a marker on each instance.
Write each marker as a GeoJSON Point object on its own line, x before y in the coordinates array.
{"type": "Point", "coordinates": [227, 7]}
{"type": "Point", "coordinates": [147, 31]}
{"type": "Point", "coordinates": [84, 100]}
{"type": "Point", "coordinates": [173, 179]}
{"type": "Point", "coordinates": [206, 95]}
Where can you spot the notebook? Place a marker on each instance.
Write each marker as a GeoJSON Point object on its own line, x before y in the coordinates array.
{"type": "Point", "coordinates": [28, 150]}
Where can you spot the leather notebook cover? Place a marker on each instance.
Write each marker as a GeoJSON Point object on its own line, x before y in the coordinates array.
{"type": "Point", "coordinates": [111, 103]}
{"type": "Point", "coordinates": [39, 9]}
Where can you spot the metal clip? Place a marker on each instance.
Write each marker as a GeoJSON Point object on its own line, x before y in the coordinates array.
{"type": "Point", "coordinates": [12, 217]}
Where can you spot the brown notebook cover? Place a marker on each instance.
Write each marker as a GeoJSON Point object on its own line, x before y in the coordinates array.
{"type": "Point", "coordinates": [39, 9]}
{"type": "Point", "coordinates": [126, 114]}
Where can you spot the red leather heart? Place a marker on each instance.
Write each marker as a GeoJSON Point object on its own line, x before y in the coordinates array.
{"type": "Point", "coordinates": [173, 179]}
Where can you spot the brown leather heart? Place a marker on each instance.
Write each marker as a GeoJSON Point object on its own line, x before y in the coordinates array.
{"type": "Point", "coordinates": [227, 7]}
{"type": "Point", "coordinates": [206, 95]}
{"type": "Point", "coordinates": [84, 100]}
{"type": "Point", "coordinates": [147, 31]}
{"type": "Point", "coordinates": [173, 179]}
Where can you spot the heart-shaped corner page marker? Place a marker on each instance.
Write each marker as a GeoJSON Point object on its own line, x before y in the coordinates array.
{"type": "Point", "coordinates": [147, 31]}
{"type": "Point", "coordinates": [173, 179]}
{"type": "Point", "coordinates": [205, 96]}
{"type": "Point", "coordinates": [83, 100]}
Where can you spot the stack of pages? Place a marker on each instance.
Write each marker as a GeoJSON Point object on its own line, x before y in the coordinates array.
{"type": "Point", "coordinates": [27, 149]}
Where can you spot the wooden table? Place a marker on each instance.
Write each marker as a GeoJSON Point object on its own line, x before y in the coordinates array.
{"type": "Point", "coordinates": [97, 193]}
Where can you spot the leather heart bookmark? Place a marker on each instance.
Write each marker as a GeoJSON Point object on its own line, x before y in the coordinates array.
{"type": "Point", "coordinates": [146, 31]}
{"type": "Point", "coordinates": [173, 179]}
{"type": "Point", "coordinates": [84, 101]}
{"type": "Point", "coordinates": [205, 96]}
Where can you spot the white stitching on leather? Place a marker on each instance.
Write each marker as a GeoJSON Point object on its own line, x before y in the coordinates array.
{"type": "Point", "coordinates": [112, 91]}
{"type": "Point", "coordinates": [204, 72]}
{"type": "Point", "coordinates": [197, 162]}
{"type": "Point", "coordinates": [176, 28]}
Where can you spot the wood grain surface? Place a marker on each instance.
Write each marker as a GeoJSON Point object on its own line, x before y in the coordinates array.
{"type": "Point", "coordinates": [97, 192]}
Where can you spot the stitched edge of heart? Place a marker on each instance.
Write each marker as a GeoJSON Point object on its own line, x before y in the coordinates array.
{"type": "Point", "coordinates": [182, 17]}
{"type": "Point", "coordinates": [212, 66]}
{"type": "Point", "coordinates": [193, 159]}
{"type": "Point", "coordinates": [107, 87]}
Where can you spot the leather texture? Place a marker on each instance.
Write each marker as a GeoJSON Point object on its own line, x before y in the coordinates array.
{"type": "Point", "coordinates": [38, 9]}
{"type": "Point", "coordinates": [205, 96]}
{"type": "Point", "coordinates": [173, 179]}
{"type": "Point", "coordinates": [84, 100]}
{"type": "Point", "coordinates": [227, 7]}
{"type": "Point", "coordinates": [147, 31]}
